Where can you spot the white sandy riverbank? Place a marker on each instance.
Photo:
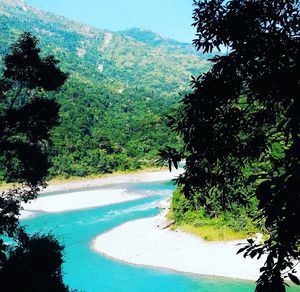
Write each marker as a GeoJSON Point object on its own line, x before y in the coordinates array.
{"type": "Point", "coordinates": [147, 176]}
{"type": "Point", "coordinates": [146, 242]}
{"type": "Point", "coordinates": [76, 201]}
{"type": "Point", "coordinates": [91, 198]}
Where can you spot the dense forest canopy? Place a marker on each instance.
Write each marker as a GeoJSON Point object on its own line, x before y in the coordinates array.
{"type": "Point", "coordinates": [241, 128]}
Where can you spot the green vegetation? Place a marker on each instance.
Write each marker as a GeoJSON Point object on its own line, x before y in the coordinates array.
{"type": "Point", "coordinates": [120, 90]}
{"type": "Point", "coordinates": [214, 230]}
{"type": "Point", "coordinates": [27, 116]}
{"type": "Point", "coordinates": [103, 131]}
{"type": "Point", "coordinates": [241, 130]}
{"type": "Point", "coordinates": [229, 225]}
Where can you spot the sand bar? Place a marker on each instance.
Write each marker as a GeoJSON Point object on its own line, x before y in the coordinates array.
{"type": "Point", "coordinates": [92, 198]}
{"type": "Point", "coordinates": [146, 242]}
{"type": "Point", "coordinates": [76, 201]}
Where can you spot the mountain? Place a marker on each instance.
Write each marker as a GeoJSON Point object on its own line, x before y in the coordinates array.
{"type": "Point", "coordinates": [153, 39]}
{"type": "Point", "coordinates": [121, 57]}
{"type": "Point", "coordinates": [121, 87]}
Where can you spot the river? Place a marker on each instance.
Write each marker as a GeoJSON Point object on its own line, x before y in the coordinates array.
{"type": "Point", "coordinates": [89, 271]}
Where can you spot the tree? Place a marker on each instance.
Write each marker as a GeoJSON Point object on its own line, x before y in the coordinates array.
{"type": "Point", "coordinates": [26, 119]}
{"type": "Point", "coordinates": [241, 124]}
{"type": "Point", "coordinates": [34, 267]}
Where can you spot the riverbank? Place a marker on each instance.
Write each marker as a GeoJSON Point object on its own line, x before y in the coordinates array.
{"type": "Point", "coordinates": [148, 242]}
{"type": "Point", "coordinates": [73, 183]}
{"type": "Point", "coordinates": [91, 198]}
{"type": "Point", "coordinates": [146, 175]}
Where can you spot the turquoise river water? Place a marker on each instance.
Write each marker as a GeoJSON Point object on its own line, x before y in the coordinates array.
{"type": "Point", "coordinates": [89, 271]}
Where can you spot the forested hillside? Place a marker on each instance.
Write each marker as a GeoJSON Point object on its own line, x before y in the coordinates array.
{"type": "Point", "coordinates": [120, 89]}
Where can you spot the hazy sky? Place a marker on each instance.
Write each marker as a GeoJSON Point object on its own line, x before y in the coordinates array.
{"type": "Point", "coordinates": [171, 18]}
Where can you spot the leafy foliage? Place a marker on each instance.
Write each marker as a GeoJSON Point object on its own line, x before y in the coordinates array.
{"type": "Point", "coordinates": [26, 119]}
{"type": "Point", "coordinates": [36, 264]}
{"type": "Point", "coordinates": [241, 125]}
{"type": "Point", "coordinates": [171, 156]}
{"type": "Point", "coordinates": [229, 225]}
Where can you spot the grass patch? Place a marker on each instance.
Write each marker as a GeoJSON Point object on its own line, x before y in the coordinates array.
{"type": "Point", "coordinates": [230, 225]}
{"type": "Point", "coordinates": [214, 233]}
{"type": "Point", "coordinates": [170, 215]}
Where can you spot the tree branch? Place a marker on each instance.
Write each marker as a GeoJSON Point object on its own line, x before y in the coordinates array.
{"type": "Point", "coordinates": [16, 96]}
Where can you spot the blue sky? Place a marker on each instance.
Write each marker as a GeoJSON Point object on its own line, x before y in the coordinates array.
{"type": "Point", "coordinates": [171, 18]}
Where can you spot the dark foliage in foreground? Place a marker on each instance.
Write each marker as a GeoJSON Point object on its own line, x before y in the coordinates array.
{"type": "Point", "coordinates": [36, 264]}
{"type": "Point", "coordinates": [241, 124]}
{"type": "Point", "coordinates": [26, 119]}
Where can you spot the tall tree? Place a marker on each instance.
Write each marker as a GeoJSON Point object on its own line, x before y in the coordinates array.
{"type": "Point", "coordinates": [26, 119]}
{"type": "Point", "coordinates": [244, 114]}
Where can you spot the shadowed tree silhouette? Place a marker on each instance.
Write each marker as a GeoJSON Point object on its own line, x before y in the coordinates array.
{"type": "Point", "coordinates": [26, 119]}
{"type": "Point", "coordinates": [170, 155]}
{"type": "Point", "coordinates": [238, 113]}
{"type": "Point", "coordinates": [34, 266]}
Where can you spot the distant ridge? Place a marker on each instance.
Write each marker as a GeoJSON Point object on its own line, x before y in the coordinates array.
{"type": "Point", "coordinates": [84, 50]}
